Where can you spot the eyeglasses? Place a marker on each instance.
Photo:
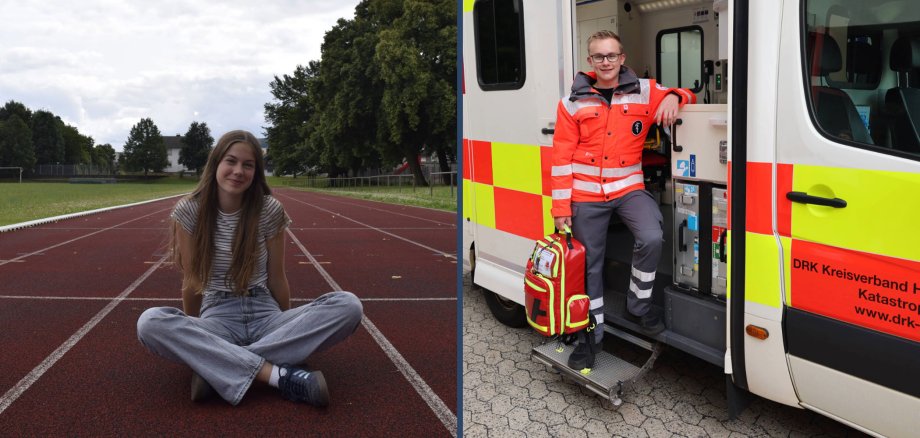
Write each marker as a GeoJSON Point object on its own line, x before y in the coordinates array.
{"type": "Point", "coordinates": [612, 57]}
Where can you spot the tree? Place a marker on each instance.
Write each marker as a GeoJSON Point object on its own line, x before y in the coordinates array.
{"type": "Point", "coordinates": [349, 90]}
{"type": "Point", "coordinates": [16, 143]}
{"type": "Point", "coordinates": [291, 117]}
{"type": "Point", "coordinates": [145, 149]}
{"type": "Point", "coordinates": [120, 163]}
{"type": "Point", "coordinates": [417, 59]}
{"type": "Point", "coordinates": [104, 157]}
{"type": "Point", "coordinates": [196, 145]}
{"type": "Point", "coordinates": [16, 108]}
{"type": "Point", "coordinates": [87, 145]}
{"type": "Point", "coordinates": [77, 147]}
{"type": "Point", "coordinates": [383, 92]}
{"type": "Point", "coordinates": [47, 138]}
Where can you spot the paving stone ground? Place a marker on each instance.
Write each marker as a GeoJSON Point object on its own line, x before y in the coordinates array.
{"type": "Point", "coordinates": [508, 394]}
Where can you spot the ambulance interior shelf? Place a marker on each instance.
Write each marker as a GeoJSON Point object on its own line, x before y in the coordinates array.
{"type": "Point", "coordinates": [698, 159]}
{"type": "Point", "coordinates": [700, 227]}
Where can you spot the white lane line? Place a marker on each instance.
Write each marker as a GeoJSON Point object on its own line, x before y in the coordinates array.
{"type": "Point", "coordinates": [306, 300]}
{"type": "Point", "coordinates": [78, 238]}
{"type": "Point", "coordinates": [452, 256]}
{"type": "Point", "coordinates": [56, 355]}
{"type": "Point", "coordinates": [293, 228]}
{"type": "Point", "coordinates": [405, 299]}
{"type": "Point", "coordinates": [46, 220]}
{"type": "Point", "coordinates": [359, 229]}
{"type": "Point", "coordinates": [328, 198]}
{"type": "Point", "coordinates": [448, 418]}
{"type": "Point", "coordinates": [97, 228]}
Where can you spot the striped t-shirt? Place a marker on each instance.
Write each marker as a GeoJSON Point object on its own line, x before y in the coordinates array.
{"type": "Point", "coordinates": [272, 221]}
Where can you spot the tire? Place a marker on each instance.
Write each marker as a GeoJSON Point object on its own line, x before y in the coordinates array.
{"type": "Point", "coordinates": [505, 311]}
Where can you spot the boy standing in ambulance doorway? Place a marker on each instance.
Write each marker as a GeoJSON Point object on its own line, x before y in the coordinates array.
{"type": "Point", "coordinates": [597, 171]}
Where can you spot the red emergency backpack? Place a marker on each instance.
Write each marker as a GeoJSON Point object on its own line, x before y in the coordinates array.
{"type": "Point", "coordinates": [554, 285]}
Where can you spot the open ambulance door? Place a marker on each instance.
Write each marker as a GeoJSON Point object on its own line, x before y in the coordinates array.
{"type": "Point", "coordinates": [512, 85]}
{"type": "Point", "coordinates": [832, 264]}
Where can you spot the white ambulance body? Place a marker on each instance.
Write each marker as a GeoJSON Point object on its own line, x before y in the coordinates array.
{"type": "Point", "coordinates": [791, 190]}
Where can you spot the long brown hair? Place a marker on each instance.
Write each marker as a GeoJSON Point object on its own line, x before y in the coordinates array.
{"type": "Point", "coordinates": [243, 249]}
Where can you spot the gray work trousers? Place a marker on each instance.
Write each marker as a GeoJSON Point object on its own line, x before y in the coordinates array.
{"type": "Point", "coordinates": [235, 335]}
{"type": "Point", "coordinates": [640, 213]}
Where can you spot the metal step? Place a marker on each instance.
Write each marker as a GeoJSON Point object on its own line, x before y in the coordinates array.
{"type": "Point", "coordinates": [609, 377]}
{"type": "Point", "coordinates": [693, 325]}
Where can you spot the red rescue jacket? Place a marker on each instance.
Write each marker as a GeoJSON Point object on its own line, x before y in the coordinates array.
{"type": "Point", "coordinates": [597, 145]}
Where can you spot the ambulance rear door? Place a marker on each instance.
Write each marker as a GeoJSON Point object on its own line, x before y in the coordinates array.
{"type": "Point", "coordinates": [517, 65]}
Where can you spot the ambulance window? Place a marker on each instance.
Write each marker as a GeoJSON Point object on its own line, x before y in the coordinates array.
{"type": "Point", "coordinates": [499, 33]}
{"type": "Point", "coordinates": [861, 62]}
{"type": "Point", "coordinates": [680, 57]}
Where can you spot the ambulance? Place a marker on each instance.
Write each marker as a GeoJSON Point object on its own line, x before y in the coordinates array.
{"type": "Point", "coordinates": [790, 191]}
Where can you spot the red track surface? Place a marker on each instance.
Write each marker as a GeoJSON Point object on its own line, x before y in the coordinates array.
{"type": "Point", "coordinates": [62, 375]}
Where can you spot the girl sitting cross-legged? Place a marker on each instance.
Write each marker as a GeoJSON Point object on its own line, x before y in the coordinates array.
{"type": "Point", "coordinates": [237, 324]}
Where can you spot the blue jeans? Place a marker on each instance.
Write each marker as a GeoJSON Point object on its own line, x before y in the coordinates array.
{"type": "Point", "coordinates": [235, 335]}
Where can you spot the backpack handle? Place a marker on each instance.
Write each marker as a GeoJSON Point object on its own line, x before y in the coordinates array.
{"type": "Point", "coordinates": [568, 236]}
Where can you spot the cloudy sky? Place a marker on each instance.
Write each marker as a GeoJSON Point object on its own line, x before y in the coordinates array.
{"type": "Point", "coordinates": [102, 65]}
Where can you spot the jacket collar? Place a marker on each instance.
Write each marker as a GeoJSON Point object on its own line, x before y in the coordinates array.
{"type": "Point", "coordinates": [583, 85]}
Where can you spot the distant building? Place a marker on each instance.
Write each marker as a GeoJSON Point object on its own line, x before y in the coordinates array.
{"type": "Point", "coordinates": [174, 145]}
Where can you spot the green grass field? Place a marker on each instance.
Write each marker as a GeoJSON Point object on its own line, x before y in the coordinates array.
{"type": "Point", "coordinates": [36, 200]}
{"type": "Point", "coordinates": [440, 197]}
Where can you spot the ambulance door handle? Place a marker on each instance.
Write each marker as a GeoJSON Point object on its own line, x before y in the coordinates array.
{"type": "Point", "coordinates": [805, 198]}
{"type": "Point", "coordinates": [676, 147]}
{"type": "Point", "coordinates": [548, 131]}
{"type": "Point", "coordinates": [681, 246]}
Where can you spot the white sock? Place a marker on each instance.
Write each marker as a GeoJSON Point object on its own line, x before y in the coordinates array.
{"type": "Point", "coordinates": [275, 375]}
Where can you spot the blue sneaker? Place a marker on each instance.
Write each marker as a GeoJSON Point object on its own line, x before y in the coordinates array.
{"type": "Point", "coordinates": [304, 386]}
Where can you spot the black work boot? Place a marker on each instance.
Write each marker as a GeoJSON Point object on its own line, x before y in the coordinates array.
{"type": "Point", "coordinates": [585, 350]}
{"type": "Point", "coordinates": [651, 324]}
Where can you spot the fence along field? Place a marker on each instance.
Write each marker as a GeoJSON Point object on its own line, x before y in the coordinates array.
{"type": "Point", "coordinates": [399, 189]}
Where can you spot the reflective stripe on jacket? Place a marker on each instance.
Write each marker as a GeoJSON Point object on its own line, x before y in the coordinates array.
{"type": "Point", "coordinates": [597, 145]}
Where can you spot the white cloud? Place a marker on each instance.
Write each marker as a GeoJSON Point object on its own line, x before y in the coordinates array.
{"type": "Point", "coordinates": [102, 65]}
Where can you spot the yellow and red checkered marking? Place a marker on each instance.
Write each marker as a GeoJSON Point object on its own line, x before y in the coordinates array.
{"type": "Point", "coordinates": [508, 186]}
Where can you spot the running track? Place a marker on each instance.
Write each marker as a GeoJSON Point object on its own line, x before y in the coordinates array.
{"type": "Point", "coordinates": [71, 293]}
